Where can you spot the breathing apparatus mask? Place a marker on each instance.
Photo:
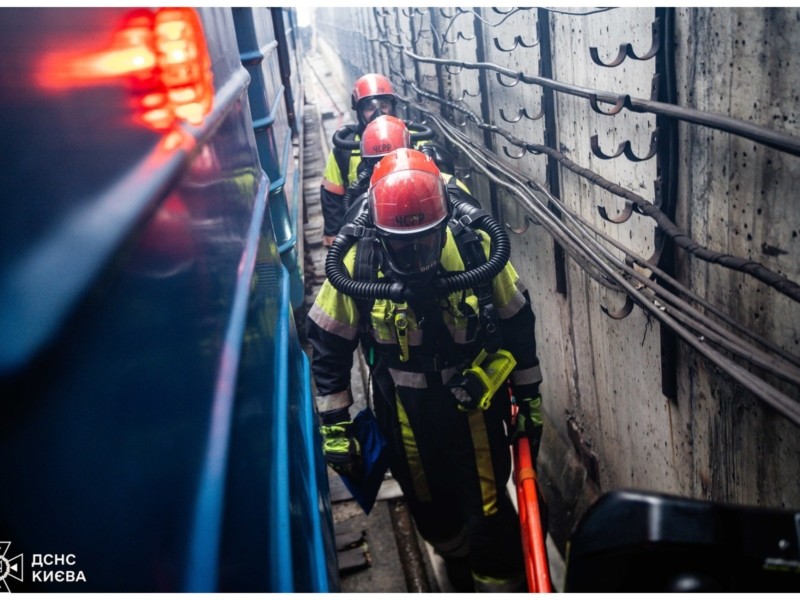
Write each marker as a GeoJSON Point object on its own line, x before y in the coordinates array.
{"type": "Point", "coordinates": [371, 108]}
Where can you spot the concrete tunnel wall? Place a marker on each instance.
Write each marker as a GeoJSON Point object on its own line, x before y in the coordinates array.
{"type": "Point", "coordinates": [609, 423]}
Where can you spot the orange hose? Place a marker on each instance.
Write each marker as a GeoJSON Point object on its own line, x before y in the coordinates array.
{"type": "Point", "coordinates": [537, 569]}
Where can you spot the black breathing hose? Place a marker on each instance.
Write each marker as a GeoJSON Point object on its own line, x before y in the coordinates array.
{"type": "Point", "coordinates": [343, 137]}
{"type": "Point", "coordinates": [339, 278]}
{"type": "Point", "coordinates": [499, 254]}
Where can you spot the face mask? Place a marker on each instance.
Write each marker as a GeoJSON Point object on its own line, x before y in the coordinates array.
{"type": "Point", "coordinates": [415, 257]}
{"type": "Point", "coordinates": [373, 107]}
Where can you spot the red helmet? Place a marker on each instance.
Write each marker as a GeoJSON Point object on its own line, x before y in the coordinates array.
{"type": "Point", "coordinates": [384, 134]}
{"type": "Point", "coordinates": [409, 207]}
{"type": "Point", "coordinates": [373, 95]}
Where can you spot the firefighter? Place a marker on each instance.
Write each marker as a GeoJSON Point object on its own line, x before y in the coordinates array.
{"type": "Point", "coordinates": [380, 137]}
{"type": "Point", "coordinates": [448, 450]}
{"type": "Point", "coordinates": [372, 96]}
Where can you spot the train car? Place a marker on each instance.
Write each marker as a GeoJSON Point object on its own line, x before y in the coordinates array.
{"type": "Point", "coordinates": [157, 430]}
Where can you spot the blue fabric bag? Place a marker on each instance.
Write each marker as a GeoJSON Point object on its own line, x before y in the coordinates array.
{"type": "Point", "coordinates": [374, 453]}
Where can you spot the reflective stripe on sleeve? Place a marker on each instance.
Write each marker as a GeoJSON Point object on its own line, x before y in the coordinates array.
{"type": "Point", "coordinates": [527, 376]}
{"type": "Point", "coordinates": [513, 305]}
{"type": "Point", "coordinates": [331, 325]}
{"type": "Point", "coordinates": [333, 188]}
{"type": "Point", "coordinates": [335, 401]}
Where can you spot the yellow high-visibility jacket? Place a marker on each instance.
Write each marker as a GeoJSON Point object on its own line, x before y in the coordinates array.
{"type": "Point", "coordinates": [334, 321]}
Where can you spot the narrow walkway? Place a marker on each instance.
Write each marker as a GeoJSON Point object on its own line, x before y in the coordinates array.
{"type": "Point", "coordinates": [382, 551]}
{"type": "Point", "coordinates": [379, 552]}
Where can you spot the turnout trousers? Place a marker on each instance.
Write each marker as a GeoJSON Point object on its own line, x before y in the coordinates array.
{"type": "Point", "coordinates": [453, 467]}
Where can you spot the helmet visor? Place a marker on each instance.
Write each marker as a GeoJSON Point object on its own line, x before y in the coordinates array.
{"type": "Point", "coordinates": [414, 256]}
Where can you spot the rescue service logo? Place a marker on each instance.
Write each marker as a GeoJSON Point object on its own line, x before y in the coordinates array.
{"type": "Point", "coordinates": [10, 568]}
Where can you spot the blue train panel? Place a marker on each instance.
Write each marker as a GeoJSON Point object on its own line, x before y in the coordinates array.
{"type": "Point", "coordinates": [158, 431]}
{"type": "Point", "coordinates": [269, 100]}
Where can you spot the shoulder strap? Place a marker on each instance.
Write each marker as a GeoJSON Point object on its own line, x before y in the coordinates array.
{"type": "Point", "coordinates": [365, 268]}
{"type": "Point", "coordinates": [342, 157]}
{"type": "Point", "coordinates": [470, 248]}
{"type": "Point", "coordinates": [456, 191]}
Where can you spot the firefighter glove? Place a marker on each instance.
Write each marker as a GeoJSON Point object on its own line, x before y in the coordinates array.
{"type": "Point", "coordinates": [341, 448]}
{"type": "Point", "coordinates": [529, 423]}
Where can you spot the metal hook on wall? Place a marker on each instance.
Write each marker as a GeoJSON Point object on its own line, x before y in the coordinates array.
{"type": "Point", "coordinates": [651, 152]}
{"type": "Point", "coordinates": [626, 50]}
{"type": "Point", "coordinates": [623, 216]}
{"type": "Point", "coordinates": [446, 16]}
{"type": "Point", "coordinates": [626, 149]}
{"type": "Point", "coordinates": [509, 155]}
{"type": "Point", "coordinates": [600, 154]}
{"type": "Point", "coordinates": [509, 85]}
{"type": "Point", "coordinates": [459, 36]}
{"type": "Point", "coordinates": [523, 112]}
{"type": "Point", "coordinates": [659, 243]}
{"type": "Point", "coordinates": [517, 42]}
{"type": "Point", "coordinates": [623, 101]}
{"type": "Point", "coordinates": [526, 222]}
{"type": "Point", "coordinates": [448, 67]}
{"type": "Point", "coordinates": [464, 94]}
{"type": "Point", "coordinates": [623, 312]}
{"type": "Point", "coordinates": [414, 12]}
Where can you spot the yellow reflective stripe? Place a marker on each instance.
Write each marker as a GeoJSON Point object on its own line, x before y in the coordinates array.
{"type": "Point", "coordinates": [408, 379]}
{"type": "Point", "coordinates": [527, 376]}
{"type": "Point", "coordinates": [412, 455]}
{"type": "Point", "coordinates": [483, 460]}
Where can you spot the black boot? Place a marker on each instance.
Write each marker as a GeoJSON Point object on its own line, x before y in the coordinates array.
{"type": "Point", "coordinates": [459, 574]}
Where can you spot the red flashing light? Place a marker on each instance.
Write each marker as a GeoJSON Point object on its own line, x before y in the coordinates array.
{"type": "Point", "coordinates": [164, 57]}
